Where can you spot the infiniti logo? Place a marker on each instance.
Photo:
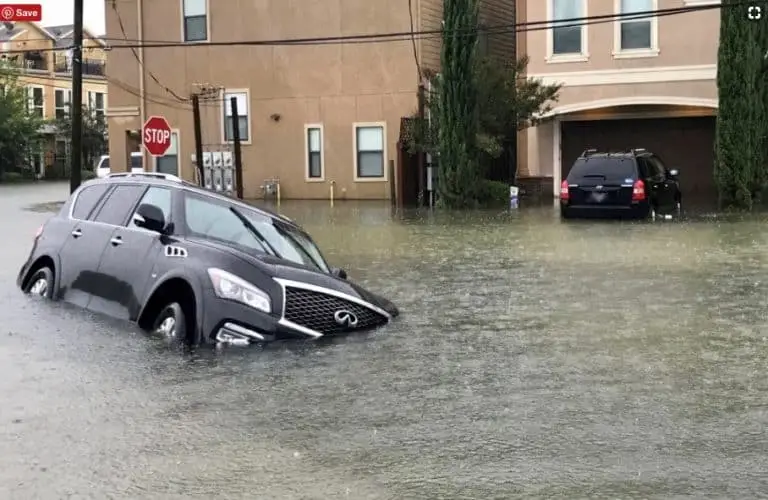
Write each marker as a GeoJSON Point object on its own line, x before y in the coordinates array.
{"type": "Point", "coordinates": [345, 318]}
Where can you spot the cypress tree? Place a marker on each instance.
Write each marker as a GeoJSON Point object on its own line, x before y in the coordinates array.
{"type": "Point", "coordinates": [459, 171]}
{"type": "Point", "coordinates": [741, 175]}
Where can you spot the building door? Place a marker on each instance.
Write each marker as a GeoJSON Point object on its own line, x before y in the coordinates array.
{"type": "Point", "coordinates": [686, 144]}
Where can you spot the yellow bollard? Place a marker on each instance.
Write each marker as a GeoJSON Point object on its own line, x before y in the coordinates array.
{"type": "Point", "coordinates": [333, 185]}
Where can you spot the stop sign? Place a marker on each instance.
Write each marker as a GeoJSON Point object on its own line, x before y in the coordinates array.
{"type": "Point", "coordinates": [156, 135]}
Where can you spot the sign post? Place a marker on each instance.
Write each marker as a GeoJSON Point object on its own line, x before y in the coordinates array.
{"type": "Point", "coordinates": [156, 135]}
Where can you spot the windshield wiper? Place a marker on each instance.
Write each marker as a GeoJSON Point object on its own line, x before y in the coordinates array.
{"type": "Point", "coordinates": [255, 233]}
{"type": "Point", "coordinates": [287, 234]}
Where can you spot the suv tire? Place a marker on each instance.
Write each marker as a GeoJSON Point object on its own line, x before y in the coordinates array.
{"type": "Point", "coordinates": [41, 283]}
{"type": "Point", "coordinates": [171, 324]}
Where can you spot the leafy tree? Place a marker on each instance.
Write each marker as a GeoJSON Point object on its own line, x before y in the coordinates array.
{"type": "Point", "coordinates": [457, 110]}
{"type": "Point", "coordinates": [741, 146]}
{"type": "Point", "coordinates": [19, 128]}
{"type": "Point", "coordinates": [507, 102]}
{"type": "Point", "coordinates": [94, 135]}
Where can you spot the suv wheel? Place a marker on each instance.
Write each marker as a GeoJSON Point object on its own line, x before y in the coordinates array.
{"type": "Point", "coordinates": [41, 283]}
{"type": "Point", "coordinates": [171, 324]}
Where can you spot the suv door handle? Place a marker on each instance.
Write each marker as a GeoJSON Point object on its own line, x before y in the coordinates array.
{"type": "Point", "coordinates": [77, 233]}
{"type": "Point", "coordinates": [117, 240]}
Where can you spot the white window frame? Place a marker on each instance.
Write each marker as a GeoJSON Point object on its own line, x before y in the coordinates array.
{"type": "Point", "coordinates": [689, 3]}
{"type": "Point", "coordinates": [184, 24]}
{"type": "Point", "coordinates": [179, 172]}
{"type": "Point", "coordinates": [223, 115]}
{"type": "Point", "coordinates": [307, 151]}
{"type": "Point", "coordinates": [92, 102]}
{"type": "Point", "coordinates": [385, 161]}
{"type": "Point", "coordinates": [583, 56]}
{"type": "Point", "coordinates": [653, 51]}
{"type": "Point", "coordinates": [31, 100]}
{"type": "Point", "coordinates": [68, 100]}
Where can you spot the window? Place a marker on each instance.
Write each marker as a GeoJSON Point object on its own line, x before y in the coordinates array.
{"type": "Point", "coordinates": [566, 38]}
{"type": "Point", "coordinates": [209, 218]}
{"type": "Point", "coordinates": [243, 112]}
{"type": "Point", "coordinates": [195, 14]}
{"type": "Point", "coordinates": [159, 197]}
{"type": "Point", "coordinates": [87, 200]}
{"type": "Point", "coordinates": [369, 143]}
{"type": "Point", "coordinates": [657, 168]}
{"type": "Point", "coordinates": [36, 101]}
{"type": "Point", "coordinates": [96, 103]}
{"type": "Point", "coordinates": [119, 205]}
{"type": "Point", "coordinates": [63, 103]}
{"type": "Point", "coordinates": [169, 163]}
{"type": "Point", "coordinates": [636, 34]}
{"type": "Point", "coordinates": [314, 152]}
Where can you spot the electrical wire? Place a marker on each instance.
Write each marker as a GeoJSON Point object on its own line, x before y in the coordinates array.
{"type": "Point", "coordinates": [138, 59]}
{"type": "Point", "coordinates": [419, 74]}
{"type": "Point", "coordinates": [404, 36]}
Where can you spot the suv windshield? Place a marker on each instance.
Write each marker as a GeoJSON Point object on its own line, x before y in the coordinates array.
{"type": "Point", "coordinates": [610, 169]}
{"type": "Point", "coordinates": [209, 218]}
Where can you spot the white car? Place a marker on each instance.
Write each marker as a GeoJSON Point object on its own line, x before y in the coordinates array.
{"type": "Point", "coordinates": [102, 168]}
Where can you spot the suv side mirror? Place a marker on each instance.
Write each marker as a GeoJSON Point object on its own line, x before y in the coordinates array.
{"type": "Point", "coordinates": [339, 273]}
{"type": "Point", "coordinates": [674, 172]}
{"type": "Point", "coordinates": [149, 217]}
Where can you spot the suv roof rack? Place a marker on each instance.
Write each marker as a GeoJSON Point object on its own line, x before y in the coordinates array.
{"type": "Point", "coordinates": [588, 152]}
{"type": "Point", "coordinates": [153, 175]}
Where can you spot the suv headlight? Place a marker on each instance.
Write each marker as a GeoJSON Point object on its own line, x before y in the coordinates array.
{"type": "Point", "coordinates": [228, 286]}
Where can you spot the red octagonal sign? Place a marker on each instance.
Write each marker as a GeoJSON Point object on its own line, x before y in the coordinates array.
{"type": "Point", "coordinates": [156, 135]}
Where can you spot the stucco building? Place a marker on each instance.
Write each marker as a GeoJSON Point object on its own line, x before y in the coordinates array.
{"type": "Point", "coordinates": [647, 83]}
{"type": "Point", "coordinates": [312, 114]}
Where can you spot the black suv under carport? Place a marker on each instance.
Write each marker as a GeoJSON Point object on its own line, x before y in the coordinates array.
{"type": "Point", "coordinates": [633, 184]}
{"type": "Point", "coordinates": [192, 265]}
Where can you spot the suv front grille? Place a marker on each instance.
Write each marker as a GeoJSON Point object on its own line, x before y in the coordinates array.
{"type": "Point", "coordinates": [317, 311]}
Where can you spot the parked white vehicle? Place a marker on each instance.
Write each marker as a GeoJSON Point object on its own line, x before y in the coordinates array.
{"type": "Point", "coordinates": [102, 168]}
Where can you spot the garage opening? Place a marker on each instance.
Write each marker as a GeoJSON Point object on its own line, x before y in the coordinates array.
{"type": "Point", "coordinates": [685, 143]}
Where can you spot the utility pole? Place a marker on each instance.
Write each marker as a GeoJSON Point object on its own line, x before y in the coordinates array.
{"type": "Point", "coordinates": [421, 158]}
{"type": "Point", "coordinates": [198, 137]}
{"type": "Point", "coordinates": [237, 152]}
{"type": "Point", "coordinates": [76, 114]}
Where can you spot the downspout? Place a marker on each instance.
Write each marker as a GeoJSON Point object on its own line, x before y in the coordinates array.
{"type": "Point", "coordinates": [142, 96]}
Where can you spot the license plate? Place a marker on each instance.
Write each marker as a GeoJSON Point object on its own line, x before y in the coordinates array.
{"type": "Point", "coordinates": [598, 197]}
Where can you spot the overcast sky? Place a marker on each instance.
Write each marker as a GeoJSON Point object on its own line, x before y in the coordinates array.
{"type": "Point", "coordinates": [61, 12]}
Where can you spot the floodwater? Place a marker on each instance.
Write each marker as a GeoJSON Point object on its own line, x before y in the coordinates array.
{"type": "Point", "coordinates": [533, 359]}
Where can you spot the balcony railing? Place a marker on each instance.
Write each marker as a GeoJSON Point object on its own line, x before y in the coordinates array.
{"type": "Point", "coordinates": [91, 67]}
{"type": "Point", "coordinates": [28, 64]}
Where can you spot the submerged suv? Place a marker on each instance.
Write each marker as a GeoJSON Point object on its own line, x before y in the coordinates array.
{"type": "Point", "coordinates": [193, 266]}
{"type": "Point", "coordinates": [631, 184]}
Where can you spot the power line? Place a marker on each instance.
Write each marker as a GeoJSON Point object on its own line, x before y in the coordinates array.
{"type": "Point", "coordinates": [405, 36]}
{"type": "Point", "coordinates": [138, 59]}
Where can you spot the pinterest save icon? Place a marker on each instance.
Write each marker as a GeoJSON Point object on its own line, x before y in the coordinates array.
{"type": "Point", "coordinates": [21, 12]}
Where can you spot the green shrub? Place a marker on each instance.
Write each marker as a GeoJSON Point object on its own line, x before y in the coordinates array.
{"type": "Point", "coordinates": [12, 177]}
{"type": "Point", "coordinates": [86, 175]}
{"type": "Point", "coordinates": [493, 193]}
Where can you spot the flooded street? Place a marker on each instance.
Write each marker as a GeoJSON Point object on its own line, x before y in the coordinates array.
{"type": "Point", "coordinates": [533, 359]}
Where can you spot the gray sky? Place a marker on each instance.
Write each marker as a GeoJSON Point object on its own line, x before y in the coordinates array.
{"type": "Point", "coordinates": [61, 12]}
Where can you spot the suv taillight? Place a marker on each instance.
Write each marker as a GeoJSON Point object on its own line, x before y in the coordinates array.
{"type": "Point", "coordinates": [638, 191]}
{"type": "Point", "coordinates": [564, 194]}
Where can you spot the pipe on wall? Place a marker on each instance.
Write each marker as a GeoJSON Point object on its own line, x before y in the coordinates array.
{"type": "Point", "coordinates": [142, 94]}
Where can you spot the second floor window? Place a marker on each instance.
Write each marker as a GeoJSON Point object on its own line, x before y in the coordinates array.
{"type": "Point", "coordinates": [635, 34]}
{"type": "Point", "coordinates": [63, 102]}
{"type": "Point", "coordinates": [195, 14]}
{"type": "Point", "coordinates": [36, 101]}
{"type": "Point", "coordinates": [314, 153]}
{"type": "Point", "coordinates": [566, 38]}
{"type": "Point", "coordinates": [96, 103]}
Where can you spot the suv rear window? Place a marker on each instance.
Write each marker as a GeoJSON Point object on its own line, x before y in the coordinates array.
{"type": "Point", "coordinates": [135, 163]}
{"type": "Point", "coordinates": [617, 169]}
{"type": "Point", "coordinates": [87, 199]}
